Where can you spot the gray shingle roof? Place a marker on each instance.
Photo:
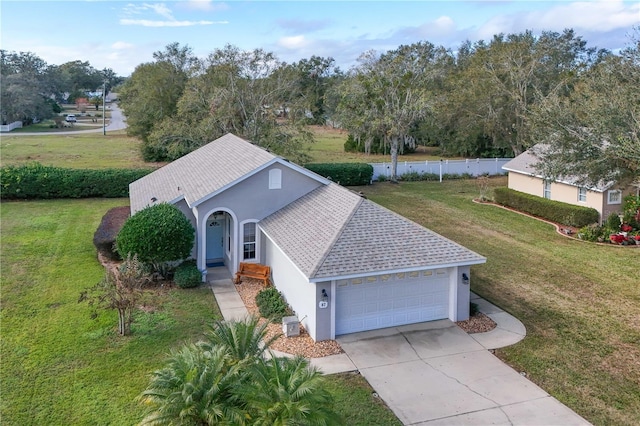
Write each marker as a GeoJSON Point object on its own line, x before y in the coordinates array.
{"type": "Point", "coordinates": [333, 232]}
{"type": "Point", "coordinates": [524, 163]}
{"type": "Point", "coordinates": [199, 173]}
{"type": "Point", "coordinates": [306, 228]}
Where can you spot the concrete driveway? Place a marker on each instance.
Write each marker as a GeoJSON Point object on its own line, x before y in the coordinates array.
{"type": "Point", "coordinates": [436, 374]}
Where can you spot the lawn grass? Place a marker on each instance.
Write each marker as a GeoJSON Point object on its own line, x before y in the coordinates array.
{"type": "Point", "coordinates": [59, 366]}
{"type": "Point", "coordinates": [357, 403]}
{"type": "Point", "coordinates": [81, 151]}
{"type": "Point", "coordinates": [329, 148]}
{"type": "Point", "coordinates": [580, 302]}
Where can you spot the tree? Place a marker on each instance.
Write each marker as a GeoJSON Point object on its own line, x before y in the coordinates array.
{"type": "Point", "coordinates": [195, 388]}
{"type": "Point", "coordinates": [226, 380]}
{"type": "Point", "coordinates": [313, 78]}
{"type": "Point", "coordinates": [120, 289]}
{"type": "Point", "coordinates": [496, 86]}
{"type": "Point", "coordinates": [385, 96]}
{"type": "Point", "coordinates": [594, 133]}
{"type": "Point", "coordinates": [23, 87]}
{"type": "Point", "coordinates": [151, 93]}
{"type": "Point", "coordinates": [156, 234]}
{"type": "Point", "coordinates": [285, 391]}
{"type": "Point", "coordinates": [236, 91]}
{"type": "Point", "coordinates": [242, 340]}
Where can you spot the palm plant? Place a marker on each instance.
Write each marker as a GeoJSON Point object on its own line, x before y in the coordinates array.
{"type": "Point", "coordinates": [285, 391]}
{"type": "Point", "coordinates": [196, 388]}
{"type": "Point", "coordinates": [242, 340]}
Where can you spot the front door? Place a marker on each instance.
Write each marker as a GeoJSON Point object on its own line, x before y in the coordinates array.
{"type": "Point", "coordinates": [215, 238]}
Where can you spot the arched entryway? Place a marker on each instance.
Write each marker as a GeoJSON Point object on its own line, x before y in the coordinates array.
{"type": "Point", "coordinates": [217, 231]}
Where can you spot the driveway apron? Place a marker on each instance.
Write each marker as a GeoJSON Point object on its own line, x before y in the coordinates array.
{"type": "Point", "coordinates": [436, 374]}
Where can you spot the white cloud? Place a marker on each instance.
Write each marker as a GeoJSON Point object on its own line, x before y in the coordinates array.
{"type": "Point", "coordinates": [205, 5]}
{"type": "Point", "coordinates": [121, 45]}
{"type": "Point", "coordinates": [157, 24]}
{"type": "Point", "coordinates": [294, 42]}
{"type": "Point", "coordinates": [593, 17]}
{"type": "Point", "coordinates": [161, 9]}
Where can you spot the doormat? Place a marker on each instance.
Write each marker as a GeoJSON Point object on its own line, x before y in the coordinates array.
{"type": "Point", "coordinates": [214, 264]}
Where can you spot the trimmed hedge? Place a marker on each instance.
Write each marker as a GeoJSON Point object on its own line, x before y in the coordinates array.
{"type": "Point", "coordinates": [187, 275]}
{"type": "Point", "coordinates": [272, 305]}
{"type": "Point", "coordinates": [347, 174]}
{"type": "Point", "coordinates": [555, 211]}
{"type": "Point", "coordinates": [105, 236]}
{"type": "Point", "coordinates": [33, 180]}
{"type": "Point", "coordinates": [157, 234]}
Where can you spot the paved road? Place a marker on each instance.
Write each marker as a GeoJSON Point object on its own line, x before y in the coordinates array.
{"type": "Point", "coordinates": [117, 122]}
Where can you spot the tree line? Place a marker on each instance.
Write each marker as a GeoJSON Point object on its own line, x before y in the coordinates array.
{"type": "Point", "coordinates": [484, 99]}
{"type": "Point", "coordinates": [32, 89]}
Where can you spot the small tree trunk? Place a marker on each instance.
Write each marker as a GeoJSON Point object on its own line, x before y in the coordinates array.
{"type": "Point", "coordinates": [394, 159]}
{"type": "Point", "coordinates": [124, 322]}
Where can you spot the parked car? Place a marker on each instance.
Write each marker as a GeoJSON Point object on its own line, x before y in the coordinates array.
{"type": "Point", "coordinates": [71, 118]}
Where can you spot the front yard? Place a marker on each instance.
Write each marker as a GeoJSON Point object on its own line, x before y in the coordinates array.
{"type": "Point", "coordinates": [579, 301]}
{"type": "Point", "coordinates": [60, 367]}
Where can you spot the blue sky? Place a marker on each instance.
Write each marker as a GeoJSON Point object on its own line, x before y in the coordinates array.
{"type": "Point", "coordinates": [123, 34]}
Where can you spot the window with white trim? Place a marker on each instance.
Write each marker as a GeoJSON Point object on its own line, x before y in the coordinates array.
{"type": "Point", "coordinates": [614, 196]}
{"type": "Point", "coordinates": [249, 241]}
{"type": "Point", "coordinates": [582, 195]}
{"type": "Point", "coordinates": [275, 179]}
{"type": "Point", "coordinates": [547, 189]}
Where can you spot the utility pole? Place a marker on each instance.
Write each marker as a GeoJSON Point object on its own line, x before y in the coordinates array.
{"type": "Point", "coordinates": [104, 112]}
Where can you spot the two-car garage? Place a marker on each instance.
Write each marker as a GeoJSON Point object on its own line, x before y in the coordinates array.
{"type": "Point", "coordinates": [389, 300]}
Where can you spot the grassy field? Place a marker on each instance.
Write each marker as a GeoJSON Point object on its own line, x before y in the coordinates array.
{"type": "Point", "coordinates": [94, 150]}
{"type": "Point", "coordinates": [89, 150]}
{"type": "Point", "coordinates": [59, 366]}
{"type": "Point", "coordinates": [580, 302]}
{"type": "Point", "coordinates": [329, 148]}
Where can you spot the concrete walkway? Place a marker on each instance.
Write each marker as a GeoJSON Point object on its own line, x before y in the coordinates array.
{"type": "Point", "coordinates": [434, 373]}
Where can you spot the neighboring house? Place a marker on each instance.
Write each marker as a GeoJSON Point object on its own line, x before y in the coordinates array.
{"type": "Point", "coordinates": [606, 198]}
{"type": "Point", "coordinates": [343, 263]}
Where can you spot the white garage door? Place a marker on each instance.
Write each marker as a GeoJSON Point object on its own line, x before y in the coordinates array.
{"type": "Point", "coordinates": [391, 300]}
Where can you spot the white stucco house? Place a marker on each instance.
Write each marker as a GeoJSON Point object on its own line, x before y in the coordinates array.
{"type": "Point", "coordinates": [606, 197]}
{"type": "Point", "coordinates": [343, 263]}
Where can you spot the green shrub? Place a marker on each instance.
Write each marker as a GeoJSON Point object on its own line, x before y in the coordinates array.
{"type": "Point", "coordinates": [157, 234]}
{"type": "Point", "coordinates": [187, 275]}
{"type": "Point", "coordinates": [105, 236]}
{"type": "Point", "coordinates": [411, 177]}
{"type": "Point", "coordinates": [613, 221]}
{"type": "Point", "coordinates": [33, 180]}
{"type": "Point", "coordinates": [555, 211]}
{"type": "Point", "coordinates": [593, 233]}
{"type": "Point", "coordinates": [347, 174]}
{"type": "Point", "coordinates": [271, 305]}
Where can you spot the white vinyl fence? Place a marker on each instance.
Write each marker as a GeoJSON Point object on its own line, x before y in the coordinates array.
{"type": "Point", "coordinates": [11, 126]}
{"type": "Point", "coordinates": [474, 167]}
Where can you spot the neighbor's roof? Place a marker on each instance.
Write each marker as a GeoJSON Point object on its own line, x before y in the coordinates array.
{"type": "Point", "coordinates": [332, 232]}
{"type": "Point", "coordinates": [524, 163]}
{"type": "Point", "coordinates": [200, 173]}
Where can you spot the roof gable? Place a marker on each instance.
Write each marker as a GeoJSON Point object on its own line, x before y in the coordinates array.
{"type": "Point", "coordinates": [205, 172]}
